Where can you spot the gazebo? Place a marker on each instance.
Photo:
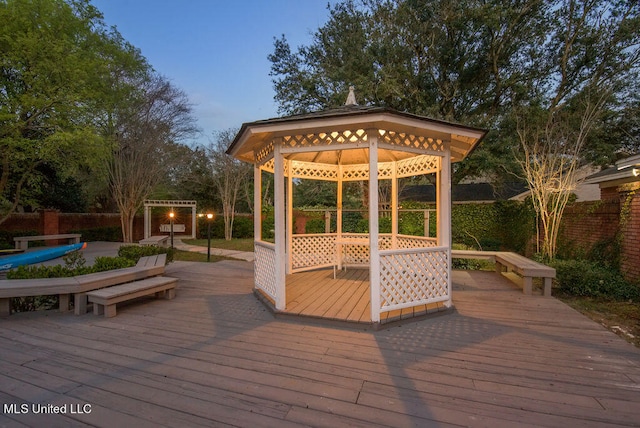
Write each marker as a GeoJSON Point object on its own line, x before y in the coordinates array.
{"type": "Point", "coordinates": [356, 143]}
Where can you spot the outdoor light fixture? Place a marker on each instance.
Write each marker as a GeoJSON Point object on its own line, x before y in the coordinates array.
{"type": "Point", "coordinates": [636, 172]}
{"type": "Point", "coordinates": [209, 220]}
{"type": "Point", "coordinates": [172, 215]}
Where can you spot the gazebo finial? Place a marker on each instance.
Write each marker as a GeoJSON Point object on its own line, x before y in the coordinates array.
{"type": "Point", "coordinates": [351, 98]}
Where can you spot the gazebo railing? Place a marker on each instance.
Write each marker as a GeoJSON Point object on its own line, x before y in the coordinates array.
{"type": "Point", "coordinates": [413, 277]}
{"type": "Point", "coordinates": [317, 250]}
{"type": "Point", "coordinates": [265, 268]}
{"type": "Point", "coordinates": [313, 250]}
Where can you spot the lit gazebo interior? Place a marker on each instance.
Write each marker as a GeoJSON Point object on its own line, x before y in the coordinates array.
{"type": "Point", "coordinates": [406, 274]}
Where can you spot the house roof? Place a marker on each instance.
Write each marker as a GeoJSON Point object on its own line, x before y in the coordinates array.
{"type": "Point", "coordinates": [626, 170]}
{"type": "Point", "coordinates": [350, 118]}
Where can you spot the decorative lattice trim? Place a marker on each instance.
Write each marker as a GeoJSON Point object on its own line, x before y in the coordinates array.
{"type": "Point", "coordinates": [313, 250]}
{"type": "Point", "coordinates": [333, 138]}
{"type": "Point", "coordinates": [413, 278]}
{"type": "Point", "coordinates": [408, 241]}
{"type": "Point", "coordinates": [264, 153]}
{"type": "Point", "coordinates": [417, 165]}
{"type": "Point", "coordinates": [265, 268]}
{"type": "Point", "coordinates": [314, 171]}
{"type": "Point", "coordinates": [402, 139]}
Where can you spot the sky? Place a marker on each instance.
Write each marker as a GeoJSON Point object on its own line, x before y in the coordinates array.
{"type": "Point", "coordinates": [216, 50]}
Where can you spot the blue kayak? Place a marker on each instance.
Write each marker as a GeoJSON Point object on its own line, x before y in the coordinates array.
{"type": "Point", "coordinates": [38, 256]}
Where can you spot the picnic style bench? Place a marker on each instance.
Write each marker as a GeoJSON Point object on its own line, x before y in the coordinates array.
{"type": "Point", "coordinates": [105, 300]}
{"type": "Point", "coordinates": [159, 240]}
{"type": "Point", "coordinates": [512, 262]}
{"type": "Point", "coordinates": [22, 242]}
{"type": "Point", "coordinates": [78, 286]}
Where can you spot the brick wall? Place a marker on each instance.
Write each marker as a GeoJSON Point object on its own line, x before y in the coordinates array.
{"type": "Point", "coordinates": [630, 260]}
{"type": "Point", "coordinates": [52, 222]}
{"type": "Point", "coordinates": [587, 223]}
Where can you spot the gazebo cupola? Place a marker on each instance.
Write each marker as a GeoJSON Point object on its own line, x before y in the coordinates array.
{"type": "Point", "coordinates": [356, 143]}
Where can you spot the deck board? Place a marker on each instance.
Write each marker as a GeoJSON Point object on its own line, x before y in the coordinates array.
{"type": "Point", "coordinates": [215, 356]}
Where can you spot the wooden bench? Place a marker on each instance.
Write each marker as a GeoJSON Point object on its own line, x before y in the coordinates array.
{"type": "Point", "coordinates": [78, 285]}
{"type": "Point", "coordinates": [527, 269]}
{"type": "Point", "coordinates": [22, 242]}
{"type": "Point", "coordinates": [105, 300]}
{"type": "Point", "coordinates": [512, 262]}
{"type": "Point", "coordinates": [159, 240]}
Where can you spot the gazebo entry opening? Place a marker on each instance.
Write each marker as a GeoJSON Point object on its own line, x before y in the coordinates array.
{"type": "Point", "coordinates": [356, 143]}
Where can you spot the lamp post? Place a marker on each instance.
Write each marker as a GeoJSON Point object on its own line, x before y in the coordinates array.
{"type": "Point", "coordinates": [209, 219]}
{"type": "Point", "coordinates": [171, 217]}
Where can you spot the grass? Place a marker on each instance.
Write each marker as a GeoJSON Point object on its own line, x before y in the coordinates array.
{"type": "Point", "coordinates": [188, 256]}
{"type": "Point", "coordinates": [234, 244]}
{"type": "Point", "coordinates": [622, 318]}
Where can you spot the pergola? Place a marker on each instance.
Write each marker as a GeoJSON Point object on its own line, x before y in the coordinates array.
{"type": "Point", "coordinates": [356, 143]}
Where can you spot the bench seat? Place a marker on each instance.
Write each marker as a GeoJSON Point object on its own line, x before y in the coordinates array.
{"type": "Point", "coordinates": [513, 262]}
{"type": "Point", "coordinates": [159, 240]}
{"type": "Point", "coordinates": [148, 266]}
{"type": "Point", "coordinates": [22, 242]}
{"type": "Point", "coordinates": [105, 300]}
{"type": "Point", "coordinates": [527, 269]}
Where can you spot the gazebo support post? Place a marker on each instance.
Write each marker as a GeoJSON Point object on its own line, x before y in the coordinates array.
{"type": "Point", "coordinates": [289, 218]}
{"type": "Point", "coordinates": [257, 203]}
{"type": "Point", "coordinates": [443, 199]}
{"type": "Point", "coordinates": [374, 254]}
{"type": "Point", "coordinates": [147, 222]}
{"type": "Point", "coordinates": [394, 207]}
{"type": "Point", "coordinates": [339, 215]}
{"type": "Point", "coordinates": [279, 213]}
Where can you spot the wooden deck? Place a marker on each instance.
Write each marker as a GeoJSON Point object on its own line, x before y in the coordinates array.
{"type": "Point", "coordinates": [316, 294]}
{"type": "Point", "coordinates": [215, 356]}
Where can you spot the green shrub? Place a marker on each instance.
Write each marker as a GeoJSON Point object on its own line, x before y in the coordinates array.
{"type": "Point", "coordinates": [314, 225]}
{"type": "Point", "coordinates": [585, 278]}
{"type": "Point", "coordinates": [106, 233]}
{"type": "Point", "coordinates": [134, 252]}
{"type": "Point", "coordinates": [243, 227]}
{"type": "Point", "coordinates": [102, 264]}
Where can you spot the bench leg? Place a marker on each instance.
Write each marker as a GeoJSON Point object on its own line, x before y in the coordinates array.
{"type": "Point", "coordinates": [547, 287]}
{"type": "Point", "coordinates": [109, 311]}
{"type": "Point", "coordinates": [5, 307]}
{"type": "Point", "coordinates": [528, 285]}
{"type": "Point", "coordinates": [63, 302]}
{"type": "Point", "coordinates": [98, 309]}
{"type": "Point", "coordinates": [499, 267]}
{"type": "Point", "coordinates": [80, 304]}
{"type": "Point", "coordinates": [170, 293]}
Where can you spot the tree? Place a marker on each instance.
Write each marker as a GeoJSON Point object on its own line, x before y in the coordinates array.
{"type": "Point", "coordinates": [591, 54]}
{"type": "Point", "coordinates": [229, 176]}
{"type": "Point", "coordinates": [459, 61]}
{"type": "Point", "coordinates": [52, 61]}
{"type": "Point", "coordinates": [145, 129]}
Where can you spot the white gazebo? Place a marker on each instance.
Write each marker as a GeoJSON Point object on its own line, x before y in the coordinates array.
{"type": "Point", "coordinates": [356, 143]}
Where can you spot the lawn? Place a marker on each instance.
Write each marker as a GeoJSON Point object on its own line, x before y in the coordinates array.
{"type": "Point", "coordinates": [189, 256]}
{"type": "Point", "coordinates": [234, 244]}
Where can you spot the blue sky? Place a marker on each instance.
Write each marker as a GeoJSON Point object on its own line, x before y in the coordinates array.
{"type": "Point", "coordinates": [216, 51]}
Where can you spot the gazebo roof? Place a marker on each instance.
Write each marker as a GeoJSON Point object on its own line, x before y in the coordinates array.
{"type": "Point", "coordinates": [411, 135]}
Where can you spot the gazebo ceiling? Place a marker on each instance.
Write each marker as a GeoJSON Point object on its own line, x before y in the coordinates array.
{"type": "Point", "coordinates": [339, 136]}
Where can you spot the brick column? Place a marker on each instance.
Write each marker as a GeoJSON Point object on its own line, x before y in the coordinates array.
{"type": "Point", "coordinates": [49, 224]}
